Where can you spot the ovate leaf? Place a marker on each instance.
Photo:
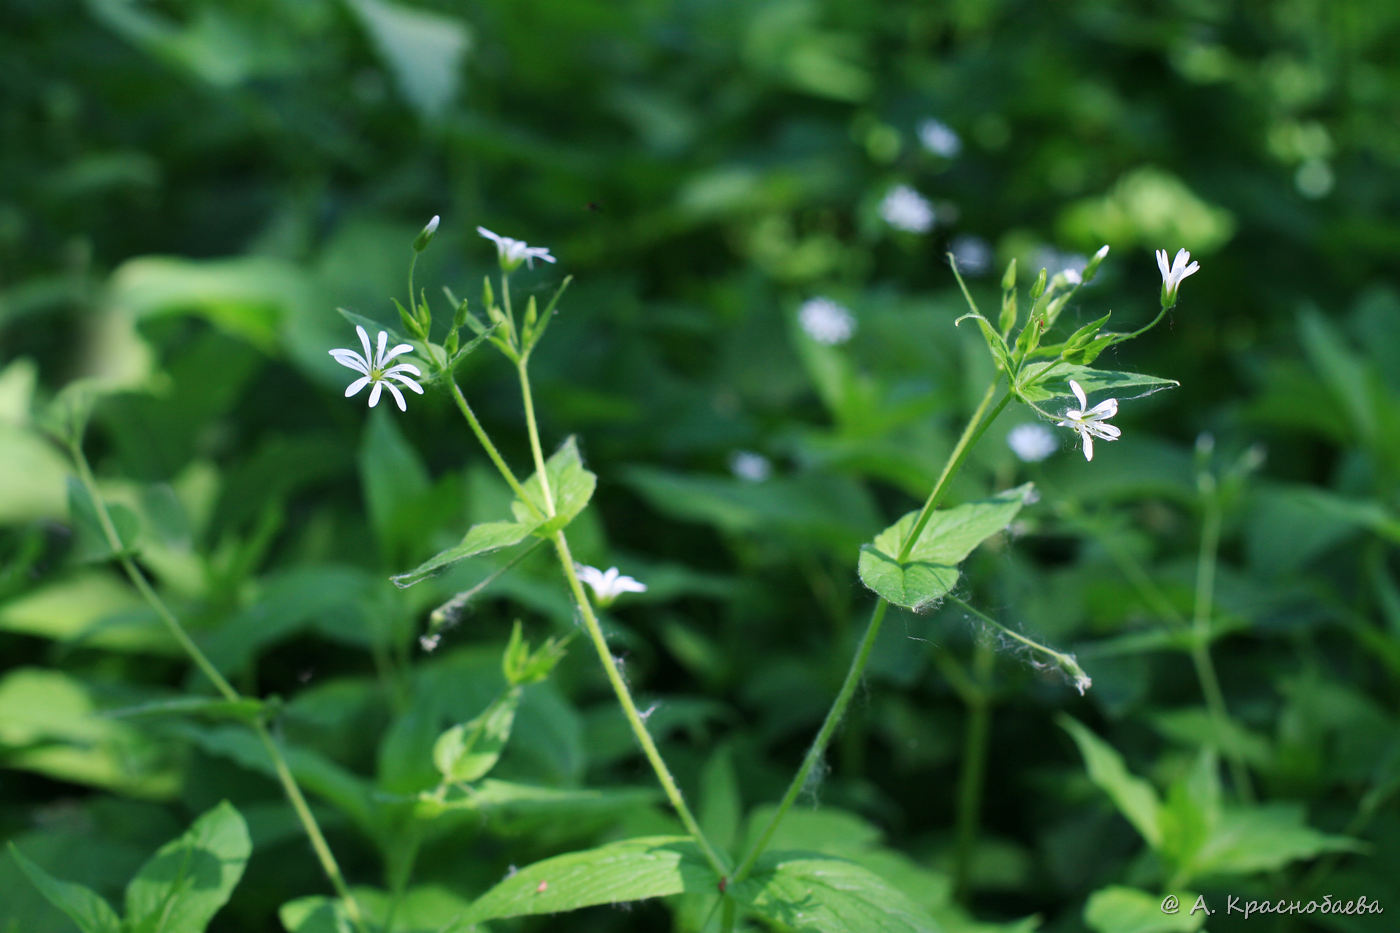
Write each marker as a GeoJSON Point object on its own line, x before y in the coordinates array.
{"type": "Point", "coordinates": [808, 891]}
{"type": "Point", "coordinates": [468, 751]}
{"type": "Point", "coordinates": [931, 568]}
{"type": "Point", "coordinates": [630, 870]}
{"type": "Point", "coordinates": [570, 485]}
{"type": "Point", "coordinates": [86, 908]}
{"type": "Point", "coordinates": [1134, 797]}
{"type": "Point", "coordinates": [1264, 838]}
{"type": "Point", "coordinates": [480, 539]}
{"type": "Point", "coordinates": [1056, 383]}
{"type": "Point", "coordinates": [185, 883]}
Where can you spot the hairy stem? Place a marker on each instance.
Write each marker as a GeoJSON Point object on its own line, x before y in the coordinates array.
{"type": "Point", "coordinates": [177, 631]}
{"type": "Point", "coordinates": [535, 449]}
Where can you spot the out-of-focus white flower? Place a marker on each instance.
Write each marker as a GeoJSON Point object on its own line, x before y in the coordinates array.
{"type": "Point", "coordinates": [937, 137]}
{"type": "Point", "coordinates": [1082, 682]}
{"type": "Point", "coordinates": [1032, 442]}
{"type": "Point", "coordinates": [1073, 276]}
{"type": "Point", "coordinates": [749, 466]}
{"type": "Point", "coordinates": [825, 321]}
{"type": "Point", "coordinates": [1172, 276]}
{"type": "Point", "coordinates": [429, 643]}
{"type": "Point", "coordinates": [905, 209]}
{"type": "Point", "coordinates": [1092, 423]}
{"type": "Point", "coordinates": [608, 585]}
{"type": "Point", "coordinates": [513, 252]}
{"type": "Point", "coordinates": [971, 253]}
{"type": "Point", "coordinates": [371, 368]}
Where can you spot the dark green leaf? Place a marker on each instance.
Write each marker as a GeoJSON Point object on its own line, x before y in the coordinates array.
{"type": "Point", "coordinates": [808, 891]}
{"type": "Point", "coordinates": [86, 908]}
{"type": "Point", "coordinates": [1134, 797]}
{"type": "Point", "coordinates": [181, 888]}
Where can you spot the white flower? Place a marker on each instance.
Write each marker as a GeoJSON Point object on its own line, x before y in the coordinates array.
{"type": "Point", "coordinates": [1032, 442]}
{"type": "Point", "coordinates": [513, 252]}
{"type": "Point", "coordinates": [825, 321]}
{"type": "Point", "coordinates": [1171, 277]}
{"type": "Point", "coordinates": [905, 209]}
{"type": "Point", "coordinates": [372, 371]}
{"type": "Point", "coordinates": [609, 585]}
{"type": "Point", "coordinates": [749, 466]}
{"type": "Point", "coordinates": [939, 138]}
{"type": "Point", "coordinates": [1073, 276]}
{"type": "Point", "coordinates": [971, 253]}
{"type": "Point", "coordinates": [1082, 682]}
{"type": "Point", "coordinates": [1092, 423]}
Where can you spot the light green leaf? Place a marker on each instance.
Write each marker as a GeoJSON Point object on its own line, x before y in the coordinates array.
{"type": "Point", "coordinates": [808, 891]}
{"type": "Point", "coordinates": [1135, 798]}
{"type": "Point", "coordinates": [1127, 910]}
{"type": "Point", "coordinates": [424, 50]}
{"type": "Point", "coordinates": [1191, 812]}
{"type": "Point", "coordinates": [90, 541]}
{"type": "Point", "coordinates": [1056, 384]}
{"type": "Point", "coordinates": [931, 569]}
{"type": "Point", "coordinates": [185, 883]}
{"type": "Point", "coordinates": [468, 751]}
{"type": "Point", "coordinates": [570, 485]}
{"type": "Point", "coordinates": [1263, 838]}
{"type": "Point", "coordinates": [630, 870]}
{"type": "Point", "coordinates": [996, 346]}
{"type": "Point", "coordinates": [87, 909]}
{"type": "Point", "coordinates": [31, 476]}
{"type": "Point", "coordinates": [480, 539]}
{"type": "Point", "coordinates": [508, 806]}
{"type": "Point", "coordinates": [244, 709]}
{"type": "Point", "coordinates": [315, 914]}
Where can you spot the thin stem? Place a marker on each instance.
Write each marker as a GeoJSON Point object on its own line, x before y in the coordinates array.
{"type": "Point", "coordinates": [1065, 662]}
{"type": "Point", "coordinates": [818, 746]}
{"type": "Point", "coordinates": [1200, 643]}
{"type": "Point", "coordinates": [973, 773]}
{"type": "Point", "coordinates": [629, 707]}
{"type": "Point", "coordinates": [279, 761]}
{"type": "Point", "coordinates": [412, 298]}
{"type": "Point", "coordinates": [535, 448]}
{"type": "Point", "coordinates": [490, 448]}
{"type": "Point", "coordinates": [981, 418]}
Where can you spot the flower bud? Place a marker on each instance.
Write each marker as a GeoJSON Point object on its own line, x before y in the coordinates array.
{"type": "Point", "coordinates": [1038, 288]}
{"type": "Point", "coordinates": [1093, 267]}
{"type": "Point", "coordinates": [425, 236]}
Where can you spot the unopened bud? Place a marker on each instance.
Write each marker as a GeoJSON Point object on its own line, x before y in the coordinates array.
{"type": "Point", "coordinates": [1038, 288]}
{"type": "Point", "coordinates": [425, 236]}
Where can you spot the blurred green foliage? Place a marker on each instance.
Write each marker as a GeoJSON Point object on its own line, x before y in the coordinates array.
{"type": "Point", "coordinates": [189, 190]}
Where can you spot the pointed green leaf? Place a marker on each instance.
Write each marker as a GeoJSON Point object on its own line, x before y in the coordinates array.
{"type": "Point", "coordinates": [1264, 838]}
{"type": "Point", "coordinates": [630, 870]}
{"type": "Point", "coordinates": [931, 569]}
{"type": "Point", "coordinates": [244, 709]}
{"type": "Point", "coordinates": [570, 485]}
{"type": "Point", "coordinates": [1127, 910]}
{"type": "Point", "coordinates": [809, 891]}
{"type": "Point", "coordinates": [996, 346]}
{"type": "Point", "coordinates": [1056, 384]}
{"type": "Point", "coordinates": [185, 883]}
{"type": "Point", "coordinates": [480, 539]}
{"type": "Point", "coordinates": [86, 907]}
{"type": "Point", "coordinates": [1134, 797]}
{"type": "Point", "coordinates": [468, 751]}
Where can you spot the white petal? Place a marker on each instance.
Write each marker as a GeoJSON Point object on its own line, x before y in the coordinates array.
{"type": "Point", "coordinates": [489, 235]}
{"type": "Point", "coordinates": [402, 368]}
{"type": "Point", "coordinates": [398, 396]}
{"type": "Point", "coordinates": [629, 585]}
{"type": "Point", "coordinates": [405, 380]}
{"type": "Point", "coordinates": [1078, 393]}
{"type": "Point", "coordinates": [351, 359]}
{"type": "Point", "coordinates": [356, 386]}
{"type": "Point", "coordinates": [379, 354]}
{"type": "Point", "coordinates": [1182, 258]}
{"type": "Point", "coordinates": [1088, 445]}
{"type": "Point", "coordinates": [1162, 263]}
{"type": "Point", "coordinates": [399, 350]}
{"type": "Point", "coordinates": [364, 342]}
{"type": "Point", "coordinates": [1191, 269]}
{"type": "Point", "coordinates": [590, 575]}
{"type": "Point", "coordinates": [374, 394]}
{"type": "Point", "coordinates": [1106, 431]}
{"type": "Point", "coordinates": [1105, 409]}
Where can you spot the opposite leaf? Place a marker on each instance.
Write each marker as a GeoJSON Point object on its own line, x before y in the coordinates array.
{"type": "Point", "coordinates": [810, 891]}
{"type": "Point", "coordinates": [480, 539]}
{"type": "Point", "coordinates": [931, 569]}
{"type": "Point", "coordinates": [1056, 383]}
{"type": "Point", "coordinates": [468, 751]}
{"type": "Point", "coordinates": [86, 907]}
{"type": "Point", "coordinates": [185, 883]}
{"type": "Point", "coordinates": [570, 486]}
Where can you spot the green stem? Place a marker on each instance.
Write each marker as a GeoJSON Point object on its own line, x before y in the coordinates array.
{"type": "Point", "coordinates": [629, 707]}
{"type": "Point", "coordinates": [973, 773]}
{"type": "Point", "coordinates": [535, 448]}
{"type": "Point", "coordinates": [177, 631]}
{"type": "Point", "coordinates": [490, 448]}
{"type": "Point", "coordinates": [981, 418]}
{"type": "Point", "coordinates": [1200, 643]}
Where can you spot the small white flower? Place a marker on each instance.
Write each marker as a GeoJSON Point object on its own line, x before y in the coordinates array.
{"type": "Point", "coordinates": [825, 321]}
{"type": "Point", "coordinates": [971, 253]}
{"type": "Point", "coordinates": [749, 466]}
{"type": "Point", "coordinates": [1032, 442]}
{"type": "Point", "coordinates": [1171, 277]}
{"type": "Point", "coordinates": [1073, 276]}
{"type": "Point", "coordinates": [1082, 682]}
{"type": "Point", "coordinates": [939, 138]}
{"type": "Point", "coordinates": [1102, 254]}
{"type": "Point", "coordinates": [512, 253]}
{"type": "Point", "coordinates": [429, 643]}
{"type": "Point", "coordinates": [371, 368]}
{"type": "Point", "coordinates": [1092, 423]}
{"type": "Point", "coordinates": [905, 209]}
{"type": "Point", "coordinates": [608, 585]}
